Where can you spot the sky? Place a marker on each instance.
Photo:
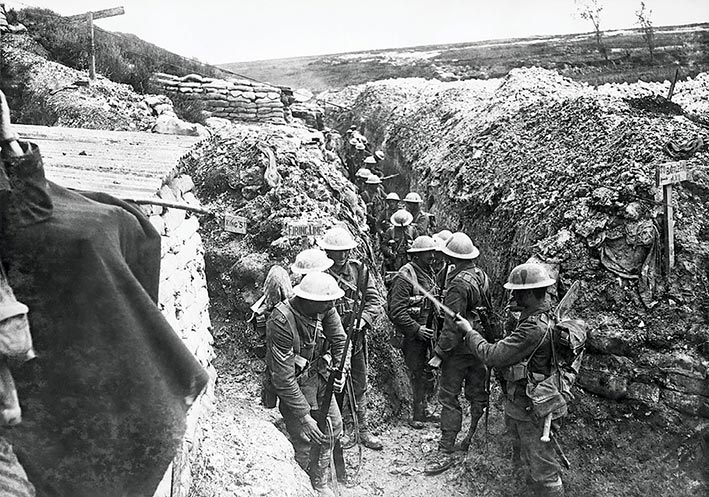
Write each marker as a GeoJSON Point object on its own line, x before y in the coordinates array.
{"type": "Point", "coordinates": [221, 31]}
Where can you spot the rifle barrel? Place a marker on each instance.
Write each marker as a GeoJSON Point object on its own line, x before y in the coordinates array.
{"type": "Point", "coordinates": [447, 310]}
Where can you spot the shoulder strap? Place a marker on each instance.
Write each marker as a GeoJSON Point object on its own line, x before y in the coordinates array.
{"type": "Point", "coordinates": [286, 309]}
{"type": "Point", "coordinates": [411, 274]}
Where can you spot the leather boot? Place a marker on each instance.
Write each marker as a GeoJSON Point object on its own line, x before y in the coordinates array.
{"type": "Point", "coordinates": [417, 416]}
{"type": "Point", "coordinates": [444, 458]}
{"type": "Point", "coordinates": [474, 418]}
{"type": "Point", "coordinates": [367, 438]}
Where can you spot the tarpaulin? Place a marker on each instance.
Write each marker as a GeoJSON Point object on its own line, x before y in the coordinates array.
{"type": "Point", "coordinates": [104, 402]}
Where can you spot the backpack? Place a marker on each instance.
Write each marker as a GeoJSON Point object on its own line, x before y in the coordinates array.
{"type": "Point", "coordinates": [489, 320]}
{"type": "Point", "coordinates": [568, 342]}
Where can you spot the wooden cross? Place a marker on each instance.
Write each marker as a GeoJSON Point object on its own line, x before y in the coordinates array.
{"type": "Point", "coordinates": [666, 175]}
{"type": "Point", "coordinates": [90, 17]}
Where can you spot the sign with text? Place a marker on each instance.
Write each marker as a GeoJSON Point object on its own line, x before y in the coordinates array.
{"type": "Point", "coordinates": [304, 229]}
{"type": "Point", "coordinates": [235, 224]}
{"type": "Point", "coordinates": [672, 172]}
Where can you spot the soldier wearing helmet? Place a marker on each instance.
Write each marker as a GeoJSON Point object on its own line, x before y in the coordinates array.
{"type": "Point", "coordinates": [467, 288]}
{"type": "Point", "coordinates": [396, 241]}
{"type": "Point", "coordinates": [413, 317]}
{"type": "Point", "coordinates": [311, 261]}
{"type": "Point", "coordinates": [374, 201]}
{"type": "Point", "coordinates": [304, 336]}
{"type": "Point", "coordinates": [525, 353]}
{"type": "Point", "coordinates": [391, 202]}
{"type": "Point", "coordinates": [424, 221]}
{"type": "Point", "coordinates": [337, 242]}
{"type": "Point", "coordinates": [361, 178]}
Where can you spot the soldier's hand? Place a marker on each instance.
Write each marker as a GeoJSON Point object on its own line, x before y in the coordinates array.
{"type": "Point", "coordinates": [435, 362]}
{"type": "Point", "coordinates": [463, 324]}
{"type": "Point", "coordinates": [339, 383]}
{"type": "Point", "coordinates": [311, 431]}
{"type": "Point", "coordinates": [424, 333]}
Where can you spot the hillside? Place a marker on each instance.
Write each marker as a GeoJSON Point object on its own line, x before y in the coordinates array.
{"type": "Point", "coordinates": [574, 56]}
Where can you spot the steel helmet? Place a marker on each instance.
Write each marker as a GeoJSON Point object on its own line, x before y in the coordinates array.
{"type": "Point", "coordinates": [373, 180]}
{"type": "Point", "coordinates": [370, 160]}
{"type": "Point", "coordinates": [337, 238]}
{"type": "Point", "coordinates": [360, 146]}
{"type": "Point", "coordinates": [422, 243]}
{"type": "Point", "coordinates": [393, 196]}
{"type": "Point", "coordinates": [311, 261]}
{"type": "Point", "coordinates": [402, 217]}
{"type": "Point", "coordinates": [379, 154]}
{"type": "Point", "coordinates": [527, 276]}
{"type": "Point", "coordinates": [363, 173]}
{"type": "Point", "coordinates": [460, 246]}
{"type": "Point", "coordinates": [319, 287]}
{"type": "Point", "coordinates": [413, 197]}
{"type": "Point", "coordinates": [442, 237]}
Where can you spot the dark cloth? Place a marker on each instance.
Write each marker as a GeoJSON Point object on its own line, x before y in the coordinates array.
{"type": "Point", "coordinates": [104, 402]}
{"type": "Point", "coordinates": [460, 372]}
{"type": "Point", "coordinates": [512, 350]}
{"type": "Point", "coordinates": [416, 353]}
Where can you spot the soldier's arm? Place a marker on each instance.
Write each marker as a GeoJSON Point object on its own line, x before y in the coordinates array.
{"type": "Point", "coordinates": [508, 351]}
{"type": "Point", "coordinates": [372, 301]}
{"type": "Point", "coordinates": [280, 358]}
{"type": "Point", "coordinates": [335, 334]}
{"type": "Point", "coordinates": [456, 300]}
{"type": "Point", "coordinates": [399, 309]}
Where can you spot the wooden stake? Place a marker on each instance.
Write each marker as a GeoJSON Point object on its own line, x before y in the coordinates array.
{"type": "Point", "coordinates": [672, 85]}
{"type": "Point", "coordinates": [669, 225]}
{"type": "Point", "coordinates": [92, 46]}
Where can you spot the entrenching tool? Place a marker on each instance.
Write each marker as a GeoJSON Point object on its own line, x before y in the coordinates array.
{"type": "Point", "coordinates": [561, 310]}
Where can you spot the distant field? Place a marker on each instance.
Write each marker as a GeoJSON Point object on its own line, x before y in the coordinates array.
{"type": "Point", "coordinates": [575, 56]}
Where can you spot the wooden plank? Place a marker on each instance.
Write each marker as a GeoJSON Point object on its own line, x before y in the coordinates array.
{"type": "Point", "coordinates": [303, 229]}
{"type": "Point", "coordinates": [99, 14]}
{"type": "Point", "coordinates": [669, 229]}
{"type": "Point", "coordinates": [672, 172]}
{"type": "Point", "coordinates": [235, 224]}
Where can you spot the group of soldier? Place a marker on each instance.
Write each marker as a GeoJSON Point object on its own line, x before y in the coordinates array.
{"type": "Point", "coordinates": [335, 305]}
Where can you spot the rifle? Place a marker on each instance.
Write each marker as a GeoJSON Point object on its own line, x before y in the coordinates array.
{"type": "Point", "coordinates": [336, 374]}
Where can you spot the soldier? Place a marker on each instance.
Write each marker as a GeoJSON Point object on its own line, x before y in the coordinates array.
{"type": "Point", "coordinates": [361, 177]}
{"type": "Point", "coordinates": [440, 263]}
{"type": "Point", "coordinates": [397, 240]}
{"type": "Point", "coordinates": [526, 352]}
{"type": "Point", "coordinates": [391, 206]}
{"type": "Point", "coordinates": [467, 287]}
{"type": "Point", "coordinates": [372, 163]}
{"type": "Point", "coordinates": [375, 201]}
{"type": "Point", "coordinates": [413, 316]}
{"type": "Point", "coordinates": [311, 261]}
{"type": "Point", "coordinates": [423, 220]}
{"type": "Point", "coordinates": [337, 243]}
{"type": "Point", "coordinates": [300, 333]}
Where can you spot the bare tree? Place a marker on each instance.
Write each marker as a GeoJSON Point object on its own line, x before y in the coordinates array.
{"type": "Point", "coordinates": [645, 22]}
{"type": "Point", "coordinates": [590, 10]}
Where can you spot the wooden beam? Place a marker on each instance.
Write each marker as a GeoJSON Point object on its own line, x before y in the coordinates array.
{"type": "Point", "coordinates": [92, 46]}
{"type": "Point", "coordinates": [99, 14]}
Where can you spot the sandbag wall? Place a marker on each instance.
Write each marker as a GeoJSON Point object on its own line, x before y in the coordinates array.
{"type": "Point", "coordinates": [184, 301]}
{"type": "Point", "coordinates": [234, 99]}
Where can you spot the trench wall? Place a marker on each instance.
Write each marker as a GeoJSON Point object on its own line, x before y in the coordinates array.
{"type": "Point", "coordinates": [184, 301]}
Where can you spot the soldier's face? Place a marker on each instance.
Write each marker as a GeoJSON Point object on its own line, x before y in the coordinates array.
{"type": "Point", "coordinates": [426, 259]}
{"type": "Point", "coordinates": [312, 308]}
{"type": "Point", "coordinates": [339, 257]}
{"type": "Point", "coordinates": [412, 207]}
{"type": "Point", "coordinates": [393, 204]}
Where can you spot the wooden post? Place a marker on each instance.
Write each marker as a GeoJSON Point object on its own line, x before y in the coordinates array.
{"type": "Point", "coordinates": [672, 85]}
{"type": "Point", "coordinates": [89, 17]}
{"type": "Point", "coordinates": [92, 47]}
{"type": "Point", "coordinates": [666, 175]}
{"type": "Point", "coordinates": [669, 228]}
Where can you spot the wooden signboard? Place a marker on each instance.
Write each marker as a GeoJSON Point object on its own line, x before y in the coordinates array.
{"type": "Point", "coordinates": [235, 224]}
{"type": "Point", "coordinates": [666, 175]}
{"type": "Point", "coordinates": [294, 229]}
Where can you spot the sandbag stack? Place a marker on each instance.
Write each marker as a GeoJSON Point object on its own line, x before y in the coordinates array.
{"type": "Point", "coordinates": [234, 99]}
